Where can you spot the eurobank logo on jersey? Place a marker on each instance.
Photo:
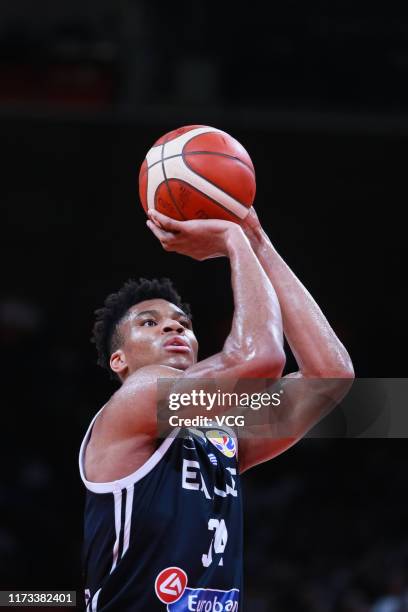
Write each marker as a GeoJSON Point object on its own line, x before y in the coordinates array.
{"type": "Point", "coordinates": [206, 600]}
{"type": "Point", "coordinates": [171, 588]}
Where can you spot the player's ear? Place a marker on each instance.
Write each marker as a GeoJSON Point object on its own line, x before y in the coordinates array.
{"type": "Point", "coordinates": [118, 362]}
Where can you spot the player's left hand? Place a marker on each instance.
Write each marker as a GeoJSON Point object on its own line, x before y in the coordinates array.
{"type": "Point", "coordinates": [198, 238]}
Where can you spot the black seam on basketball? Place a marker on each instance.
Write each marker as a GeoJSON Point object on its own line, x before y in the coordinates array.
{"type": "Point", "coordinates": [209, 198]}
{"type": "Point", "coordinates": [213, 131]}
{"type": "Point", "coordinates": [222, 155]}
{"type": "Point", "coordinates": [159, 161]}
{"type": "Point", "coordinates": [199, 153]}
{"type": "Point", "coordinates": [217, 186]}
{"type": "Point", "coordinates": [168, 187]}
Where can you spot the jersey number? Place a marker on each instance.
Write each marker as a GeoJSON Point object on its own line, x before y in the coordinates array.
{"type": "Point", "coordinates": [218, 542]}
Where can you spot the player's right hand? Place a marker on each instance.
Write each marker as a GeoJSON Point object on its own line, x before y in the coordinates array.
{"type": "Point", "coordinates": [199, 238]}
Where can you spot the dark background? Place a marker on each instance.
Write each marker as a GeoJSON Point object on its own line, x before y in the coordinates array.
{"type": "Point", "coordinates": [317, 93]}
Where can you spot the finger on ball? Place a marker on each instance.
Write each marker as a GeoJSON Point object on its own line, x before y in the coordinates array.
{"type": "Point", "coordinates": [162, 219]}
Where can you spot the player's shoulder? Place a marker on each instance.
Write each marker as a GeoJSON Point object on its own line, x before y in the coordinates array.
{"type": "Point", "coordinates": [133, 407]}
{"type": "Point", "coordinates": [146, 377]}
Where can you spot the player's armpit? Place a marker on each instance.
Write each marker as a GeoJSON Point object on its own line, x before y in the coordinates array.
{"type": "Point", "coordinates": [256, 449]}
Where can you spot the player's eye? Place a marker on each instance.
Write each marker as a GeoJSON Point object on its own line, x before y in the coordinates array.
{"type": "Point", "coordinates": [185, 322]}
{"type": "Point", "coordinates": [149, 323]}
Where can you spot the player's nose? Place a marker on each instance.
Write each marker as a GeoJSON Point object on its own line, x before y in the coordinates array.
{"type": "Point", "coordinates": [170, 325]}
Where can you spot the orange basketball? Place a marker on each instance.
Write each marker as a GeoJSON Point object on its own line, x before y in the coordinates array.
{"type": "Point", "coordinates": [198, 172]}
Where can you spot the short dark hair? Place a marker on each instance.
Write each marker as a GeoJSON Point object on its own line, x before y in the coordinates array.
{"type": "Point", "coordinates": [105, 332]}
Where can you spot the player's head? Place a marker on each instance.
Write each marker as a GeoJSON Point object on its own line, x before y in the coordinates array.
{"type": "Point", "coordinates": [144, 323]}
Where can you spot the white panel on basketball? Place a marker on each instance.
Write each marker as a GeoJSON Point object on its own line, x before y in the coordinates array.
{"type": "Point", "coordinates": [175, 168]}
{"type": "Point", "coordinates": [154, 155]}
{"type": "Point", "coordinates": [175, 146]}
{"type": "Point", "coordinates": [155, 176]}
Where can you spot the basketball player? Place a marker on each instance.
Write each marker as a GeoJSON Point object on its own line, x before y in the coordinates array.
{"type": "Point", "coordinates": [163, 525]}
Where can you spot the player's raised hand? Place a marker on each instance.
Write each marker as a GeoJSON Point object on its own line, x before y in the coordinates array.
{"type": "Point", "coordinates": [200, 238]}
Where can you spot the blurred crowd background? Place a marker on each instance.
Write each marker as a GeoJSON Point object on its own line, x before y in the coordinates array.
{"type": "Point", "coordinates": [317, 93]}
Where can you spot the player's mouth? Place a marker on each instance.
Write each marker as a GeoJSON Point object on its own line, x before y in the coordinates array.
{"type": "Point", "coordinates": [177, 345]}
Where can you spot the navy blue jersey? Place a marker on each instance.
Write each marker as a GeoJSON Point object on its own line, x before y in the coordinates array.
{"type": "Point", "coordinates": [169, 535]}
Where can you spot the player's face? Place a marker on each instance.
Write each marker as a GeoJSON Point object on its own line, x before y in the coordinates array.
{"type": "Point", "coordinates": [158, 332]}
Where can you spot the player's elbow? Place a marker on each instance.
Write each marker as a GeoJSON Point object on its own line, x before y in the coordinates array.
{"type": "Point", "coordinates": [347, 373]}
{"type": "Point", "coordinates": [264, 365]}
{"type": "Point", "coordinates": [270, 355]}
{"type": "Point", "coordinates": [270, 365]}
{"type": "Point", "coordinates": [343, 368]}
{"type": "Point", "coordinates": [347, 369]}
{"type": "Point", "coordinates": [264, 359]}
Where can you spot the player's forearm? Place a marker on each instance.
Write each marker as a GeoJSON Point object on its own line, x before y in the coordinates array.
{"type": "Point", "coordinates": [257, 331]}
{"type": "Point", "coordinates": [317, 349]}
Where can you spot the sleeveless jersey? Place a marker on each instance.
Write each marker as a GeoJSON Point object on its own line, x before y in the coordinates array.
{"type": "Point", "coordinates": [168, 537]}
